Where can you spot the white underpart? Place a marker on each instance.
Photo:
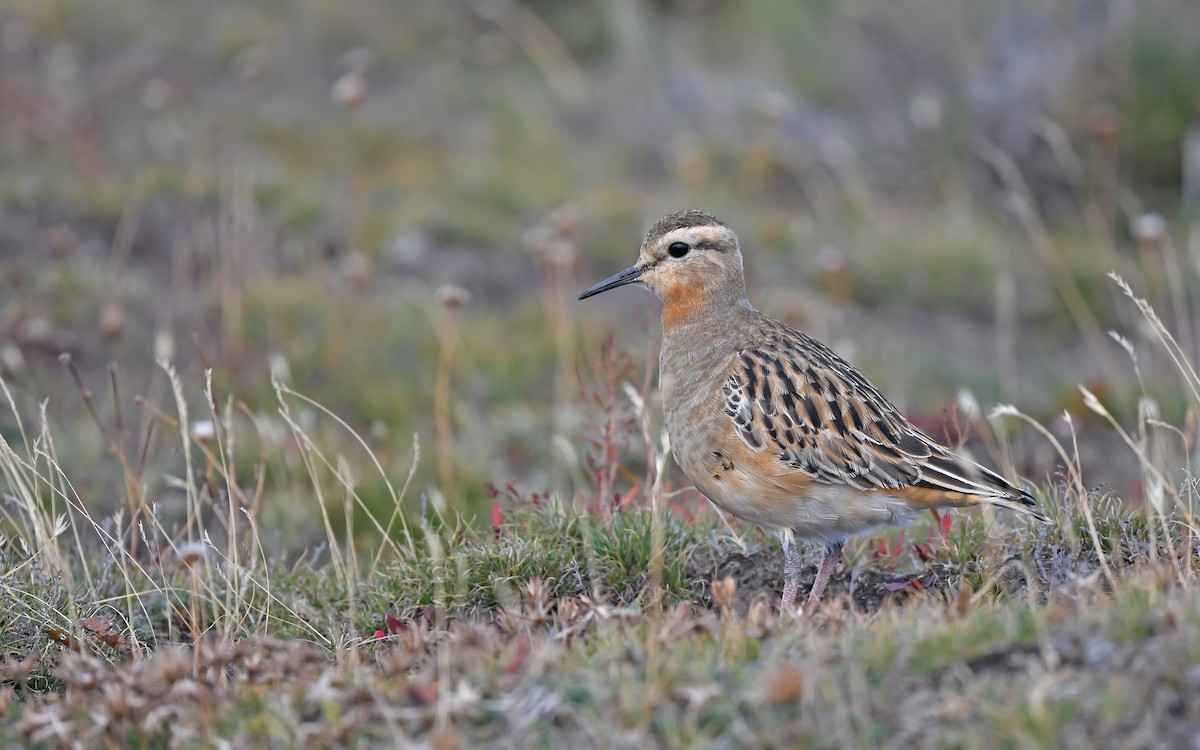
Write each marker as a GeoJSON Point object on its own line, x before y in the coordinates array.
{"type": "Point", "coordinates": [824, 512]}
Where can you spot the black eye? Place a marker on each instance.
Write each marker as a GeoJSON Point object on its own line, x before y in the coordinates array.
{"type": "Point", "coordinates": [678, 249]}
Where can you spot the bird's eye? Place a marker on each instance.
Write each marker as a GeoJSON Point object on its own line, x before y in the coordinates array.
{"type": "Point", "coordinates": [678, 249]}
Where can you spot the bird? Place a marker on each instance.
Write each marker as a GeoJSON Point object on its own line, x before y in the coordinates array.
{"type": "Point", "coordinates": [776, 428]}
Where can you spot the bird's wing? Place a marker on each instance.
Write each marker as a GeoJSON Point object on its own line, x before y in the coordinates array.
{"type": "Point", "coordinates": [823, 422]}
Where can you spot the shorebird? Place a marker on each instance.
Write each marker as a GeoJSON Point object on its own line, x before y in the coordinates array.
{"type": "Point", "coordinates": [772, 425]}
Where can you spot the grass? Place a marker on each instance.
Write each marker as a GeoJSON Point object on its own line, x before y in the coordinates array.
{"type": "Point", "coordinates": [610, 617]}
{"type": "Point", "coordinates": [289, 228]}
{"type": "Point", "coordinates": [294, 487]}
{"type": "Point", "coordinates": [504, 643]}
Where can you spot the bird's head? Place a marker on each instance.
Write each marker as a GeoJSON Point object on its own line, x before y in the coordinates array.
{"type": "Point", "coordinates": [690, 260]}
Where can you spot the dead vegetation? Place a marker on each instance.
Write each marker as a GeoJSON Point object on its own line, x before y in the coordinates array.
{"type": "Point", "coordinates": [332, 461]}
{"type": "Point", "coordinates": [631, 622]}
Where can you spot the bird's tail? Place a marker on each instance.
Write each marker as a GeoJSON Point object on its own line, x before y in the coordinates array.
{"type": "Point", "coordinates": [1022, 502]}
{"type": "Point", "coordinates": [948, 479]}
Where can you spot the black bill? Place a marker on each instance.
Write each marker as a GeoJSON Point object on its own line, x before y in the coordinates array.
{"type": "Point", "coordinates": [628, 276]}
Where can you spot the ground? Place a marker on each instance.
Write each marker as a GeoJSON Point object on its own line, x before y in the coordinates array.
{"type": "Point", "coordinates": [306, 441]}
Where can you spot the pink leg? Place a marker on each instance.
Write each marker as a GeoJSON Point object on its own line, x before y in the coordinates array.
{"type": "Point", "coordinates": [833, 554]}
{"type": "Point", "coordinates": [792, 564]}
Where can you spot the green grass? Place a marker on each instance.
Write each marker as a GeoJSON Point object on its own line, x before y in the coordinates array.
{"type": "Point", "coordinates": [542, 665]}
{"type": "Point", "coordinates": [429, 546]}
{"type": "Point", "coordinates": [271, 228]}
{"type": "Point", "coordinates": [567, 619]}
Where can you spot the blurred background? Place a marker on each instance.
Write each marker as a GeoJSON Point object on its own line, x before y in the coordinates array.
{"type": "Point", "coordinates": [391, 207]}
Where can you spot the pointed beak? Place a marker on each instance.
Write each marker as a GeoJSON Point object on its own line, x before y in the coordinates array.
{"type": "Point", "coordinates": [628, 276]}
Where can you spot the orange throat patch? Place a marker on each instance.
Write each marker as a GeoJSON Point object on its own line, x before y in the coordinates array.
{"type": "Point", "coordinates": [681, 301]}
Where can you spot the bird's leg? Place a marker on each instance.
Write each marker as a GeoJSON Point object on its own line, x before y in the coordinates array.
{"type": "Point", "coordinates": [792, 565]}
{"type": "Point", "coordinates": [833, 553]}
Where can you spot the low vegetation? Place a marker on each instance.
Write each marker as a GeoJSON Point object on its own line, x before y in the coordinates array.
{"type": "Point", "coordinates": [304, 442]}
{"type": "Point", "coordinates": [641, 620]}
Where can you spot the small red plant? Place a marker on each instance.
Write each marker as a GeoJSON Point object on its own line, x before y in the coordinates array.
{"type": "Point", "coordinates": [616, 424]}
{"type": "Point", "coordinates": [104, 629]}
{"type": "Point", "coordinates": [497, 518]}
{"type": "Point", "coordinates": [885, 552]}
{"type": "Point", "coordinates": [395, 625]}
{"type": "Point", "coordinates": [917, 584]}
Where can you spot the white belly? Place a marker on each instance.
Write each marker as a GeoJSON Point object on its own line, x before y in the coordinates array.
{"type": "Point", "coordinates": [822, 512]}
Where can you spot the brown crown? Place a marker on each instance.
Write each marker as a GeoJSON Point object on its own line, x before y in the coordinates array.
{"type": "Point", "coordinates": [681, 220]}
